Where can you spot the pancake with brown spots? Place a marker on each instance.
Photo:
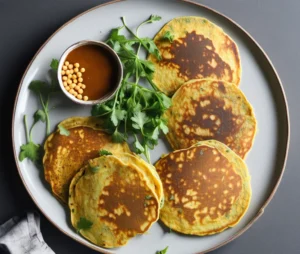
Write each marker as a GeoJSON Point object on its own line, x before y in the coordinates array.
{"type": "Point", "coordinates": [209, 109]}
{"type": "Point", "coordinates": [207, 188]}
{"type": "Point", "coordinates": [65, 155]}
{"type": "Point", "coordinates": [200, 49]}
{"type": "Point", "coordinates": [116, 198]}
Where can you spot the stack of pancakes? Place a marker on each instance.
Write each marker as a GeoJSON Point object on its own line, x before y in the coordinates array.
{"type": "Point", "coordinates": [211, 128]}
{"type": "Point", "coordinates": [112, 197]}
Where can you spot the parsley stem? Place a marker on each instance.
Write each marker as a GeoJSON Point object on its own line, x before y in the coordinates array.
{"type": "Point", "coordinates": [26, 129]}
{"type": "Point", "coordinates": [128, 29]}
{"type": "Point", "coordinates": [147, 154]}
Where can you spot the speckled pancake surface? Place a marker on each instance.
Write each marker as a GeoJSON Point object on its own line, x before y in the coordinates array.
{"type": "Point", "coordinates": [116, 199]}
{"type": "Point", "coordinates": [207, 188]}
{"type": "Point", "coordinates": [209, 109]}
{"type": "Point", "coordinates": [147, 169]}
{"type": "Point", "coordinates": [65, 155]}
{"type": "Point", "coordinates": [200, 49]}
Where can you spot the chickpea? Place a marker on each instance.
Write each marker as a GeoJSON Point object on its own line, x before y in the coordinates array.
{"type": "Point", "coordinates": [77, 88]}
{"type": "Point", "coordinates": [75, 93]}
{"type": "Point", "coordinates": [66, 63]}
{"type": "Point", "coordinates": [67, 88]}
{"type": "Point", "coordinates": [76, 70]}
{"type": "Point", "coordinates": [74, 76]}
{"type": "Point", "coordinates": [71, 71]}
{"type": "Point", "coordinates": [80, 91]}
{"type": "Point", "coordinates": [65, 83]}
{"type": "Point", "coordinates": [69, 76]}
{"type": "Point", "coordinates": [72, 91]}
{"type": "Point", "coordinates": [75, 81]}
{"type": "Point", "coordinates": [70, 66]}
{"type": "Point", "coordinates": [64, 78]}
{"type": "Point", "coordinates": [67, 72]}
{"type": "Point", "coordinates": [79, 96]}
{"type": "Point", "coordinates": [79, 74]}
{"type": "Point", "coordinates": [76, 65]}
{"type": "Point", "coordinates": [85, 98]}
{"type": "Point", "coordinates": [69, 81]}
{"type": "Point", "coordinates": [73, 85]}
{"type": "Point", "coordinates": [80, 80]}
{"type": "Point", "coordinates": [64, 68]}
{"type": "Point", "coordinates": [82, 69]}
{"type": "Point", "coordinates": [63, 72]}
{"type": "Point", "coordinates": [83, 86]}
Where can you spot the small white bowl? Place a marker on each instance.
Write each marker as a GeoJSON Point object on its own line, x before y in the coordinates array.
{"type": "Point", "coordinates": [119, 72]}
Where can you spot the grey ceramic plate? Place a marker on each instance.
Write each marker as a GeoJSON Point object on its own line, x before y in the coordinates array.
{"type": "Point", "coordinates": [259, 82]}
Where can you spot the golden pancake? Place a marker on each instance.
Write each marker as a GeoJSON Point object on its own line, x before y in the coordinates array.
{"type": "Point", "coordinates": [207, 188]}
{"type": "Point", "coordinates": [200, 49]}
{"type": "Point", "coordinates": [209, 109]}
{"type": "Point", "coordinates": [115, 198]}
{"type": "Point", "coordinates": [65, 155]}
{"type": "Point", "coordinates": [148, 169]}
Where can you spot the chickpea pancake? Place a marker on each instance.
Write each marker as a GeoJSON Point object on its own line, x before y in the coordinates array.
{"type": "Point", "coordinates": [200, 49]}
{"type": "Point", "coordinates": [149, 171]}
{"type": "Point", "coordinates": [115, 198]}
{"type": "Point", "coordinates": [210, 109]}
{"type": "Point", "coordinates": [65, 155]}
{"type": "Point", "coordinates": [207, 188]}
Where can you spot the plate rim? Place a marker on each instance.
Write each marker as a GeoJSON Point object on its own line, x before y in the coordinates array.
{"type": "Point", "coordinates": [280, 88]}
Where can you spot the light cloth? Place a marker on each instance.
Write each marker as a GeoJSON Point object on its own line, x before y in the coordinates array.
{"type": "Point", "coordinates": [22, 235]}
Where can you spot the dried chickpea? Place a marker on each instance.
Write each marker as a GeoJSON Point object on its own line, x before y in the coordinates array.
{"type": "Point", "coordinates": [71, 71]}
{"type": "Point", "coordinates": [67, 72]}
{"type": "Point", "coordinates": [65, 83]}
{"type": "Point", "coordinates": [75, 93]}
{"type": "Point", "coordinates": [80, 80]}
{"type": "Point", "coordinates": [70, 66]}
{"type": "Point", "coordinates": [67, 88]}
{"type": "Point", "coordinates": [80, 91]}
{"type": "Point", "coordinates": [73, 85]}
{"type": "Point", "coordinates": [85, 98]}
{"type": "Point", "coordinates": [72, 91]}
{"type": "Point", "coordinates": [76, 65]}
{"type": "Point", "coordinates": [76, 70]}
{"type": "Point", "coordinates": [66, 63]}
{"type": "Point", "coordinates": [74, 76]}
{"type": "Point", "coordinates": [83, 86]}
{"type": "Point", "coordinates": [75, 81]}
{"type": "Point", "coordinates": [70, 76]}
{"type": "Point", "coordinates": [64, 68]}
{"type": "Point", "coordinates": [82, 69]}
{"type": "Point", "coordinates": [79, 74]}
{"type": "Point", "coordinates": [69, 81]}
{"type": "Point", "coordinates": [65, 78]}
{"type": "Point", "coordinates": [63, 72]}
{"type": "Point", "coordinates": [77, 88]}
{"type": "Point", "coordinates": [79, 96]}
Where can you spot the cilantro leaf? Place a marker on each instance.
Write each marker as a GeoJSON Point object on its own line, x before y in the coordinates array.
{"type": "Point", "coordinates": [63, 131]}
{"type": "Point", "coordinates": [117, 116]}
{"type": "Point", "coordinates": [39, 115]}
{"type": "Point", "coordinates": [164, 251]}
{"type": "Point", "coordinates": [139, 119]}
{"type": "Point", "coordinates": [118, 137]}
{"type": "Point", "coordinates": [54, 64]}
{"type": "Point", "coordinates": [31, 151]}
{"type": "Point", "coordinates": [104, 152]}
{"type": "Point", "coordinates": [137, 146]}
{"type": "Point", "coordinates": [84, 224]}
{"type": "Point", "coordinates": [38, 86]}
{"type": "Point", "coordinates": [168, 36]}
{"type": "Point", "coordinates": [154, 18]}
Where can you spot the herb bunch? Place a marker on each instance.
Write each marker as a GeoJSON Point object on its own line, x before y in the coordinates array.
{"type": "Point", "coordinates": [43, 91]}
{"type": "Point", "coordinates": [135, 109]}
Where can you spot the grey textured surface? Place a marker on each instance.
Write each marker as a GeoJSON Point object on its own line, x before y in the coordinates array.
{"type": "Point", "coordinates": [25, 25]}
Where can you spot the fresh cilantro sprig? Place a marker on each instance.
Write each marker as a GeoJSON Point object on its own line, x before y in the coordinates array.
{"type": "Point", "coordinates": [135, 110]}
{"type": "Point", "coordinates": [168, 36]}
{"type": "Point", "coordinates": [42, 90]}
{"type": "Point", "coordinates": [104, 152]}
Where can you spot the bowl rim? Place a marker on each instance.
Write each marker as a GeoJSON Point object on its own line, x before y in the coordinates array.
{"type": "Point", "coordinates": [108, 49]}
